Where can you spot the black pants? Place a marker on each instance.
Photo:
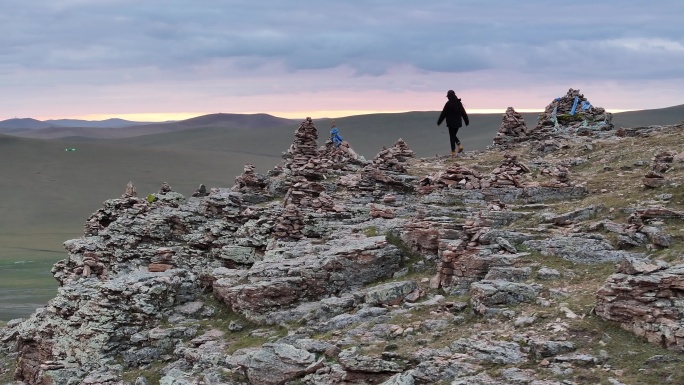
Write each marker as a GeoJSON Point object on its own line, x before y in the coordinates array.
{"type": "Point", "coordinates": [453, 139]}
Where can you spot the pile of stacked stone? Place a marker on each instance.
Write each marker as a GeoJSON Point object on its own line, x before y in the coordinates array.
{"type": "Point", "coordinates": [662, 162]}
{"type": "Point", "coordinates": [306, 194]}
{"type": "Point", "coordinates": [339, 158]}
{"type": "Point", "coordinates": [371, 179]}
{"type": "Point", "coordinates": [455, 177]}
{"type": "Point", "coordinates": [512, 127]}
{"type": "Point", "coordinates": [165, 188]}
{"type": "Point", "coordinates": [393, 158]}
{"type": "Point", "coordinates": [302, 156]}
{"type": "Point", "coordinates": [163, 260]}
{"type": "Point", "coordinates": [91, 266]}
{"type": "Point", "coordinates": [560, 173]}
{"type": "Point", "coordinates": [508, 173]}
{"type": "Point", "coordinates": [250, 181]}
{"type": "Point", "coordinates": [474, 228]}
{"type": "Point", "coordinates": [290, 224]}
{"type": "Point", "coordinates": [572, 113]}
{"type": "Point", "coordinates": [201, 191]}
{"type": "Point", "coordinates": [130, 191]}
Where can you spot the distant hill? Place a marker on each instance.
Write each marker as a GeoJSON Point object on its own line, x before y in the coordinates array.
{"type": "Point", "coordinates": [659, 116]}
{"type": "Point", "coordinates": [107, 123]}
{"type": "Point", "coordinates": [232, 121]}
{"type": "Point", "coordinates": [23, 123]}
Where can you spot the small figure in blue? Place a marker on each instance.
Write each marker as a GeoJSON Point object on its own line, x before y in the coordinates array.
{"type": "Point", "coordinates": [335, 134]}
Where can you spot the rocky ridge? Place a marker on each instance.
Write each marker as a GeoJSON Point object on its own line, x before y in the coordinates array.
{"type": "Point", "coordinates": [541, 264]}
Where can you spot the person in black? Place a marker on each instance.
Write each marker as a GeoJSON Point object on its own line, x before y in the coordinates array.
{"type": "Point", "coordinates": [453, 112]}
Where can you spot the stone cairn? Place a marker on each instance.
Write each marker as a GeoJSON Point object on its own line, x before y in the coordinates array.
{"type": "Point", "coordinates": [661, 164]}
{"type": "Point", "coordinates": [91, 266]}
{"type": "Point", "coordinates": [508, 173]}
{"type": "Point", "coordinates": [454, 177]}
{"type": "Point", "coordinates": [558, 116]}
{"type": "Point", "coordinates": [375, 175]}
{"type": "Point", "coordinates": [393, 158]}
{"type": "Point", "coordinates": [290, 224]}
{"type": "Point", "coordinates": [302, 156]}
{"type": "Point", "coordinates": [165, 188]}
{"type": "Point", "coordinates": [130, 191]}
{"type": "Point", "coordinates": [201, 191]}
{"type": "Point", "coordinates": [460, 177]}
{"type": "Point", "coordinates": [560, 173]}
{"type": "Point", "coordinates": [341, 157]}
{"type": "Point", "coordinates": [512, 127]}
{"type": "Point", "coordinates": [250, 181]}
{"type": "Point", "coordinates": [306, 194]}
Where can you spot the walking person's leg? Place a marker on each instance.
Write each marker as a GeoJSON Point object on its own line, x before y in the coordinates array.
{"type": "Point", "coordinates": [453, 139]}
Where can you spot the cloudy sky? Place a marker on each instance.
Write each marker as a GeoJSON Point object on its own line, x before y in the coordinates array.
{"type": "Point", "coordinates": [170, 59]}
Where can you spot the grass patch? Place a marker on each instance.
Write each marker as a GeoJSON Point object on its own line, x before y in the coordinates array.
{"type": "Point", "coordinates": [408, 257]}
{"type": "Point", "coordinates": [152, 374]}
{"type": "Point", "coordinates": [7, 373]}
{"type": "Point", "coordinates": [633, 355]}
{"type": "Point", "coordinates": [237, 339]}
{"type": "Point", "coordinates": [370, 231]}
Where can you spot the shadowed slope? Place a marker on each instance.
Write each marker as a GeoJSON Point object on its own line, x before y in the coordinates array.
{"type": "Point", "coordinates": [232, 121]}
{"type": "Point", "coordinates": [660, 116]}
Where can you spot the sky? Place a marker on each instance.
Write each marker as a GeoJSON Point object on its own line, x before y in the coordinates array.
{"type": "Point", "coordinates": [154, 60]}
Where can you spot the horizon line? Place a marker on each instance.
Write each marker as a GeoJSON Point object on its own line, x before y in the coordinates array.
{"type": "Point", "coordinates": [161, 117]}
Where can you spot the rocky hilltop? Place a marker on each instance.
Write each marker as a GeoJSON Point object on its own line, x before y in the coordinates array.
{"type": "Point", "coordinates": [554, 257]}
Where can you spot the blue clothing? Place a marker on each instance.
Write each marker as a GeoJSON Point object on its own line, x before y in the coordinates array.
{"type": "Point", "coordinates": [335, 136]}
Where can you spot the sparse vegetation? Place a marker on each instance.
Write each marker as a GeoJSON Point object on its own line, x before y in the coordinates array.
{"type": "Point", "coordinates": [152, 373]}
{"type": "Point", "coordinates": [370, 231]}
{"type": "Point", "coordinates": [237, 339]}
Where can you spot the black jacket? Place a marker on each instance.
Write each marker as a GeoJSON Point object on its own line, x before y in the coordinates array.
{"type": "Point", "coordinates": [453, 112]}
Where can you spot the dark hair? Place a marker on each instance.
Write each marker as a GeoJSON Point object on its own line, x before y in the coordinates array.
{"type": "Point", "coordinates": [451, 92]}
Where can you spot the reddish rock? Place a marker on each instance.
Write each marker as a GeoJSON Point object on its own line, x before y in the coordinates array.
{"type": "Point", "coordinates": [158, 267]}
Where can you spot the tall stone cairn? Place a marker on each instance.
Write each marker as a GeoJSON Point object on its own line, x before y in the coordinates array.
{"type": "Point", "coordinates": [302, 156]}
{"type": "Point", "coordinates": [512, 127]}
{"type": "Point", "coordinates": [556, 117]}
